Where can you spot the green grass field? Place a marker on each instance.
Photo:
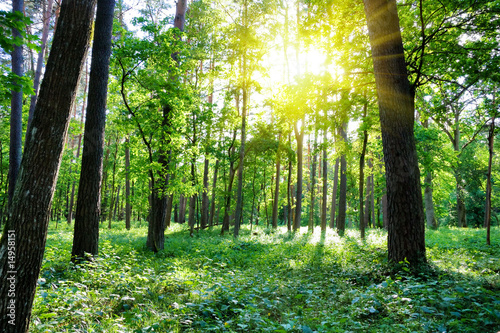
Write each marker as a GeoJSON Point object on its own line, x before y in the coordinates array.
{"type": "Point", "coordinates": [268, 282]}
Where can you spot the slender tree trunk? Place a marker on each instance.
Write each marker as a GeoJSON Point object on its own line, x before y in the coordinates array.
{"type": "Point", "coordinates": [16, 111]}
{"type": "Point", "coordinates": [253, 191]}
{"type": "Point", "coordinates": [30, 210]}
{"type": "Point", "coordinates": [325, 182]}
{"type": "Point", "coordinates": [113, 181]}
{"type": "Point", "coordinates": [117, 203]}
{"type": "Point", "coordinates": [214, 190]}
{"type": "Point", "coordinates": [429, 205]}
{"type": "Point", "coordinates": [277, 187]}
{"type": "Point", "coordinates": [406, 229]}
{"type": "Point", "coordinates": [239, 192]}
{"type": "Point", "coordinates": [204, 196]}
{"type": "Point", "coordinates": [168, 213]}
{"type": "Point", "coordinates": [334, 193]}
{"type": "Point", "coordinates": [128, 206]}
{"type": "Point", "coordinates": [192, 199]}
{"type": "Point", "coordinates": [78, 149]}
{"type": "Point", "coordinates": [362, 177]}
{"type": "Point", "coordinates": [289, 194]}
{"type": "Point", "coordinates": [487, 209]}
{"type": "Point", "coordinates": [47, 13]}
{"type": "Point", "coordinates": [341, 217]}
{"type": "Point", "coordinates": [313, 185]}
{"type": "Point", "coordinates": [299, 136]}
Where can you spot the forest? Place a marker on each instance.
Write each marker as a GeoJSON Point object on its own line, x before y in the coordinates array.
{"type": "Point", "coordinates": [249, 166]}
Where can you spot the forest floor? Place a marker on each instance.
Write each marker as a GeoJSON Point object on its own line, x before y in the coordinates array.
{"type": "Point", "coordinates": [268, 282]}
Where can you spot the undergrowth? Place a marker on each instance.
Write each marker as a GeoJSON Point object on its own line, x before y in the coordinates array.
{"type": "Point", "coordinates": [268, 282]}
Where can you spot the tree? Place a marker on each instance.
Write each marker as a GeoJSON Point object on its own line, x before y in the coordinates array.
{"type": "Point", "coordinates": [47, 13]}
{"type": "Point", "coordinates": [16, 110]}
{"type": "Point", "coordinates": [88, 205]}
{"type": "Point", "coordinates": [29, 213]}
{"type": "Point", "coordinates": [406, 229]}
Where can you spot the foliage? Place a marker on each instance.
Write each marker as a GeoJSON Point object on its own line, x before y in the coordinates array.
{"type": "Point", "coordinates": [268, 282]}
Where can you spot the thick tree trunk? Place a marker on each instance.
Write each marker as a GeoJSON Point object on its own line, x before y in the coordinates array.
{"type": "Point", "coordinates": [406, 234]}
{"type": "Point", "coordinates": [30, 210]}
{"type": "Point", "coordinates": [277, 187]}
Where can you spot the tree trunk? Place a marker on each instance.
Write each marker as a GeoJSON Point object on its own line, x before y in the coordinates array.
{"type": "Point", "coordinates": [299, 136]}
{"type": "Point", "coordinates": [128, 206]}
{"type": "Point", "coordinates": [277, 187]}
{"type": "Point", "coordinates": [487, 209]}
{"type": "Point", "coordinates": [325, 182]}
{"type": "Point", "coordinates": [78, 149]}
{"type": "Point", "coordinates": [239, 192]}
{"type": "Point", "coordinates": [204, 196]}
{"type": "Point", "coordinates": [406, 234]}
{"type": "Point", "coordinates": [289, 195]}
{"type": "Point", "coordinates": [334, 193]}
{"type": "Point", "coordinates": [113, 181]}
{"type": "Point", "coordinates": [117, 202]}
{"type": "Point", "coordinates": [192, 199]}
{"type": "Point", "coordinates": [214, 187]}
{"type": "Point", "coordinates": [341, 217]}
{"type": "Point", "coordinates": [47, 13]}
{"type": "Point", "coordinates": [362, 174]}
{"type": "Point", "coordinates": [313, 185]}
{"type": "Point", "coordinates": [30, 210]}
{"type": "Point", "coordinates": [429, 205]}
{"type": "Point", "coordinates": [16, 112]}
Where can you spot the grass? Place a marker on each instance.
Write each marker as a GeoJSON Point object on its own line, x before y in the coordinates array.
{"type": "Point", "coordinates": [268, 282]}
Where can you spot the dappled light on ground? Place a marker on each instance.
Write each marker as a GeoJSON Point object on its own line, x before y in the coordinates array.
{"type": "Point", "coordinates": [267, 281]}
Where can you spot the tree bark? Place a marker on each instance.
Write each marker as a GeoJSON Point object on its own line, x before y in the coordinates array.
{"type": "Point", "coordinates": [406, 234]}
{"type": "Point", "coordinates": [47, 12]}
{"type": "Point", "coordinates": [277, 187]}
{"type": "Point", "coordinates": [30, 210]}
{"type": "Point", "coordinates": [204, 196]}
{"type": "Point", "coordinates": [362, 175]}
{"type": "Point", "coordinates": [487, 209]}
{"type": "Point", "coordinates": [429, 205]}
{"type": "Point", "coordinates": [313, 185]}
{"type": "Point", "coordinates": [16, 108]}
{"type": "Point", "coordinates": [88, 206]}
{"type": "Point", "coordinates": [325, 182]}
{"type": "Point", "coordinates": [128, 206]}
{"type": "Point", "coordinates": [334, 193]}
{"type": "Point", "coordinates": [299, 136]}
{"type": "Point", "coordinates": [214, 188]}
{"type": "Point", "coordinates": [239, 192]}
{"type": "Point", "coordinates": [341, 217]}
